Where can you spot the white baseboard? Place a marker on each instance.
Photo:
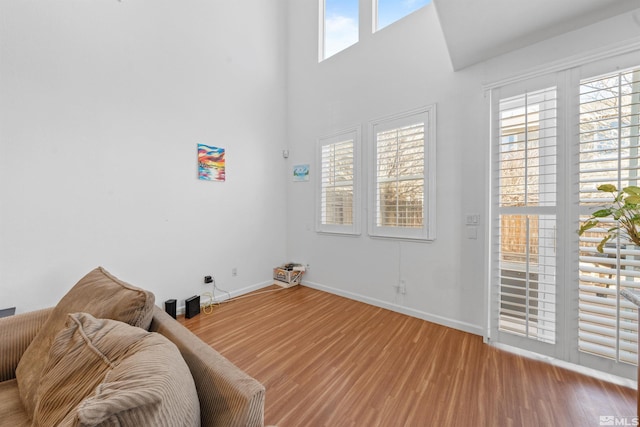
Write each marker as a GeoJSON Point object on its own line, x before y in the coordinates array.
{"type": "Point", "coordinates": [440, 320]}
{"type": "Point", "coordinates": [477, 330]}
{"type": "Point", "coordinates": [604, 376]}
{"type": "Point", "coordinates": [221, 296]}
{"type": "Point", "coordinates": [433, 318]}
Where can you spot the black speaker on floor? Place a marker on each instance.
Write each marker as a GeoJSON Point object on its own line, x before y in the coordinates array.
{"type": "Point", "coordinates": [192, 306]}
{"type": "Point", "coordinates": [170, 307]}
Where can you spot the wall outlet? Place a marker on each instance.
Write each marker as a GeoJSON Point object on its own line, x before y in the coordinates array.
{"type": "Point", "coordinates": [234, 271]}
{"type": "Point", "coordinates": [400, 288]}
{"type": "Point", "coordinates": [472, 219]}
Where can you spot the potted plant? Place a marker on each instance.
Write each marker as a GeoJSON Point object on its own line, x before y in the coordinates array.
{"type": "Point", "coordinates": [624, 209]}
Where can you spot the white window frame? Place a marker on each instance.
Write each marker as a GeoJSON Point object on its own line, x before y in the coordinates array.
{"type": "Point", "coordinates": [598, 336]}
{"type": "Point", "coordinates": [539, 272]}
{"type": "Point", "coordinates": [427, 232]}
{"type": "Point", "coordinates": [322, 32]}
{"type": "Point", "coordinates": [376, 19]}
{"type": "Point", "coordinates": [355, 227]}
{"type": "Point", "coordinates": [567, 76]}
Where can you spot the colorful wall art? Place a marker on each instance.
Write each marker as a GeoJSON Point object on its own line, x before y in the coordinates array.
{"type": "Point", "coordinates": [301, 173]}
{"type": "Point", "coordinates": [211, 163]}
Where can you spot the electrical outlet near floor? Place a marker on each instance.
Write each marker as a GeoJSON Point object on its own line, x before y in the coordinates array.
{"type": "Point", "coordinates": [234, 271]}
{"type": "Point", "coordinates": [400, 288]}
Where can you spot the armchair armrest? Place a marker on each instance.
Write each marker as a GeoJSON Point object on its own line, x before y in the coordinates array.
{"type": "Point", "coordinates": [16, 333]}
{"type": "Point", "coordinates": [228, 396]}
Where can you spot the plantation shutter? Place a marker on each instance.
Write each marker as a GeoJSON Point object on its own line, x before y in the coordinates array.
{"type": "Point", "coordinates": [526, 205]}
{"type": "Point", "coordinates": [338, 183]}
{"type": "Point", "coordinates": [609, 119]}
{"type": "Point", "coordinates": [400, 176]}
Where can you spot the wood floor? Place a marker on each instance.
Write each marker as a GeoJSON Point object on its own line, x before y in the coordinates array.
{"type": "Point", "coordinates": [330, 361]}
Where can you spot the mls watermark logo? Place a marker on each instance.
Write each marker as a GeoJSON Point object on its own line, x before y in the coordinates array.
{"type": "Point", "coordinates": [612, 420]}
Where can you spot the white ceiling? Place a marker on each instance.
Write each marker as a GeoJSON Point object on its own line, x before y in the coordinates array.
{"type": "Point", "coordinates": [476, 30]}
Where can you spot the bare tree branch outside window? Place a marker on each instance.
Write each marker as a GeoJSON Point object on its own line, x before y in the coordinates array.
{"type": "Point", "coordinates": [400, 177]}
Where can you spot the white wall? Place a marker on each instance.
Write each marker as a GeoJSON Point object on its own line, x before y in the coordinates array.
{"type": "Point", "coordinates": [400, 68]}
{"type": "Point", "coordinates": [102, 104]}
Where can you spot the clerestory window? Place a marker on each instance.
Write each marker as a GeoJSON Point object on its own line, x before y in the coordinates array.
{"type": "Point", "coordinates": [339, 26]}
{"type": "Point", "coordinates": [387, 12]}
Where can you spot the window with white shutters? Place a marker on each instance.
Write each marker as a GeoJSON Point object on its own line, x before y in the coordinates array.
{"type": "Point", "coordinates": [338, 190]}
{"type": "Point", "coordinates": [403, 176]}
{"type": "Point", "coordinates": [609, 113]}
{"type": "Point", "coordinates": [526, 170]}
{"type": "Point", "coordinates": [552, 290]}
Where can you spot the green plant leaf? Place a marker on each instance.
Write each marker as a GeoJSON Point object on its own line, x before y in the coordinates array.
{"type": "Point", "coordinates": [602, 213]}
{"type": "Point", "coordinates": [633, 200]}
{"type": "Point", "coordinates": [609, 188]}
{"type": "Point", "coordinates": [632, 189]}
{"type": "Point", "coordinates": [587, 226]}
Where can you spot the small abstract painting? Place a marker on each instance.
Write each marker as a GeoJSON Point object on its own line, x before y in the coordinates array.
{"type": "Point", "coordinates": [211, 163]}
{"type": "Point", "coordinates": [301, 173]}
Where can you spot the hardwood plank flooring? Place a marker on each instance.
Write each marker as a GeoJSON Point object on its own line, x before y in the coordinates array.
{"type": "Point", "coordinates": [330, 361]}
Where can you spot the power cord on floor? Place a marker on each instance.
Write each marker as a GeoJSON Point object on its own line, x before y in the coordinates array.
{"type": "Point", "coordinates": [208, 307]}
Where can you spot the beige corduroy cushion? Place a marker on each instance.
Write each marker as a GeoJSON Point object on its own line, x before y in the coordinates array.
{"type": "Point", "coordinates": [105, 373]}
{"type": "Point", "coordinates": [98, 293]}
{"type": "Point", "coordinates": [11, 410]}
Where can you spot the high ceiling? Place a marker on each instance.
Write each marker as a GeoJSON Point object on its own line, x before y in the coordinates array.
{"type": "Point", "coordinates": [476, 30]}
